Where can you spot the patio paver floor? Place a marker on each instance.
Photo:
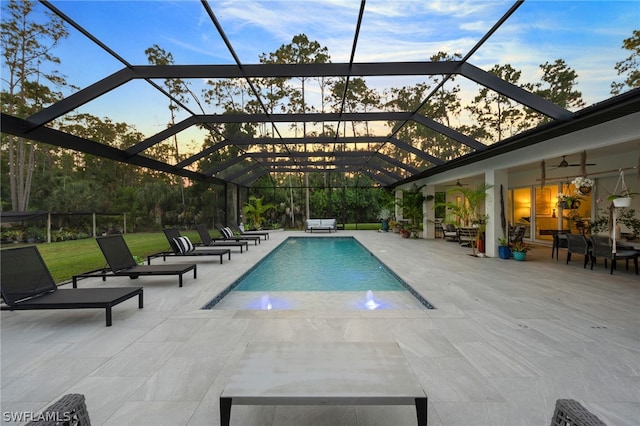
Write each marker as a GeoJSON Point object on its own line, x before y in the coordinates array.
{"type": "Point", "coordinates": [506, 340]}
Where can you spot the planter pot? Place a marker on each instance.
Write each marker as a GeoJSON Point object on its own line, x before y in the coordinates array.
{"type": "Point", "coordinates": [481, 246]}
{"type": "Point", "coordinates": [622, 202]}
{"type": "Point", "coordinates": [585, 189]}
{"type": "Point", "coordinates": [504, 252]}
{"type": "Point", "coordinates": [385, 225]}
{"type": "Point", "coordinates": [564, 205]}
{"type": "Point", "coordinates": [519, 255]}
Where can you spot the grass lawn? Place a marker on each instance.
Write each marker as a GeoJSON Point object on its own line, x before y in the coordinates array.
{"type": "Point", "coordinates": [362, 226]}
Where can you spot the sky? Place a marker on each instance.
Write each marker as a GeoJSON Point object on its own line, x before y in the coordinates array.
{"type": "Point", "coordinates": [587, 35]}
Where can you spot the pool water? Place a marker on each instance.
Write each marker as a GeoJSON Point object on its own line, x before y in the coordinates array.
{"type": "Point", "coordinates": [319, 273]}
{"type": "Point", "coordinates": [320, 264]}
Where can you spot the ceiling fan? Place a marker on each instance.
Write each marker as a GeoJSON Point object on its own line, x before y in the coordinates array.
{"type": "Point", "coordinates": [564, 163]}
{"type": "Point", "coordinates": [458, 184]}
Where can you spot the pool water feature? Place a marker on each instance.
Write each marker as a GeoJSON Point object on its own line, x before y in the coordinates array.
{"type": "Point", "coordinates": [319, 273]}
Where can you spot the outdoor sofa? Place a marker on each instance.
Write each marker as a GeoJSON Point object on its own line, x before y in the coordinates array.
{"type": "Point", "coordinates": [321, 225]}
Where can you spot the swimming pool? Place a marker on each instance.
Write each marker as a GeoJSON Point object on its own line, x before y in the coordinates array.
{"type": "Point", "coordinates": [336, 267]}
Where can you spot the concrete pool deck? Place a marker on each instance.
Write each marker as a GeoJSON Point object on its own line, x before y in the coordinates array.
{"type": "Point", "coordinates": [506, 340]}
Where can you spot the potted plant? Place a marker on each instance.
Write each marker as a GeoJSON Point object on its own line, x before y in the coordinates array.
{"type": "Point", "coordinates": [520, 249]}
{"type": "Point", "coordinates": [481, 224]}
{"type": "Point", "coordinates": [629, 219]}
{"type": "Point", "coordinates": [504, 251]}
{"type": "Point", "coordinates": [384, 215]}
{"type": "Point", "coordinates": [411, 204]}
{"type": "Point", "coordinates": [622, 198]}
{"type": "Point", "coordinates": [470, 212]}
{"type": "Point", "coordinates": [570, 202]}
{"type": "Point", "coordinates": [583, 185]}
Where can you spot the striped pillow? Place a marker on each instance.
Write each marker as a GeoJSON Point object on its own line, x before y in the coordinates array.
{"type": "Point", "coordinates": [227, 232]}
{"type": "Point", "coordinates": [183, 244]}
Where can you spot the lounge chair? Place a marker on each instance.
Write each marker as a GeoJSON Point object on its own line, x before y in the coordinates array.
{"type": "Point", "coordinates": [26, 283]}
{"type": "Point", "coordinates": [227, 235]}
{"type": "Point", "coordinates": [208, 242]}
{"type": "Point", "coordinates": [122, 264]}
{"type": "Point", "coordinates": [450, 232]}
{"type": "Point", "coordinates": [467, 236]}
{"type": "Point", "coordinates": [181, 246]}
{"type": "Point", "coordinates": [236, 229]}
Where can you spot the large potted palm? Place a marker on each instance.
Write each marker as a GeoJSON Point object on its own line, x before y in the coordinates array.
{"type": "Point", "coordinates": [471, 211]}
{"type": "Point", "coordinates": [411, 204]}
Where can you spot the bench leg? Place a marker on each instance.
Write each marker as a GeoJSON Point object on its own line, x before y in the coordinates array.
{"type": "Point", "coordinates": [421, 411]}
{"type": "Point", "coordinates": [195, 271]}
{"type": "Point", "coordinates": [108, 314]}
{"type": "Point", "coordinates": [140, 300]}
{"type": "Point", "coordinates": [225, 411]}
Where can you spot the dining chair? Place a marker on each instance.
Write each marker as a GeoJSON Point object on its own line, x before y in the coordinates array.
{"type": "Point", "coordinates": [602, 247]}
{"type": "Point", "coordinates": [578, 243]}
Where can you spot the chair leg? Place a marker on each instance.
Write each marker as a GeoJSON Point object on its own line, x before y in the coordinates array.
{"type": "Point", "coordinates": [568, 257]}
{"type": "Point", "coordinates": [593, 261]}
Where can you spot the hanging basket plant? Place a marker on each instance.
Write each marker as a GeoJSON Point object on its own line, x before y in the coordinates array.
{"type": "Point", "coordinates": [622, 202]}
{"type": "Point", "coordinates": [621, 198]}
{"type": "Point", "coordinates": [583, 185]}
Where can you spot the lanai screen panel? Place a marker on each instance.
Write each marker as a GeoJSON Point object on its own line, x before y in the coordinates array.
{"type": "Point", "coordinates": [387, 88]}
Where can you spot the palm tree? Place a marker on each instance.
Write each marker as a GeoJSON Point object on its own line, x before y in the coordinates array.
{"type": "Point", "coordinates": [411, 204]}
{"type": "Point", "coordinates": [155, 197]}
{"type": "Point", "coordinates": [471, 211]}
{"type": "Point", "coordinates": [254, 211]}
